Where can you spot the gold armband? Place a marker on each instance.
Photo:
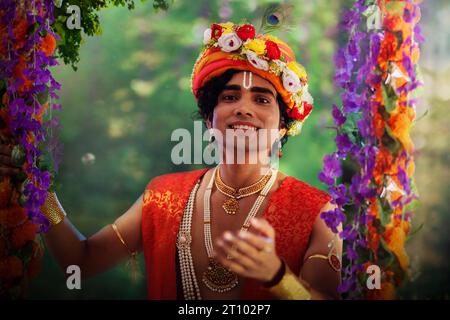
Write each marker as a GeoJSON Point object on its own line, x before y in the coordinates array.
{"type": "Point", "coordinates": [333, 258]}
{"type": "Point", "coordinates": [53, 210]}
{"type": "Point", "coordinates": [290, 287]}
{"type": "Point", "coordinates": [133, 255]}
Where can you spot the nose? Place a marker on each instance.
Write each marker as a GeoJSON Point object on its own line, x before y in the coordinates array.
{"type": "Point", "coordinates": [243, 108]}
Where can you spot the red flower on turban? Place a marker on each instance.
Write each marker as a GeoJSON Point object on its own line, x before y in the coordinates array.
{"type": "Point", "coordinates": [273, 52]}
{"type": "Point", "coordinates": [247, 31]}
{"type": "Point", "coordinates": [216, 31]}
{"type": "Point", "coordinates": [295, 113]}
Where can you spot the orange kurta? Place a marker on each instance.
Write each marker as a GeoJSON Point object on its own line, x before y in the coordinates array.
{"type": "Point", "coordinates": [292, 210]}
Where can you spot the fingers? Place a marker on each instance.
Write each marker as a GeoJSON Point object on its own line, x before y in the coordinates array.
{"type": "Point", "coordinates": [7, 166]}
{"type": "Point", "coordinates": [243, 247]}
{"type": "Point", "coordinates": [6, 161]}
{"type": "Point", "coordinates": [231, 265]}
{"type": "Point", "coordinates": [223, 252]}
{"type": "Point", "coordinates": [258, 242]}
{"type": "Point", "coordinates": [8, 171]}
{"type": "Point", "coordinates": [241, 252]}
{"type": "Point", "coordinates": [249, 253]}
{"type": "Point", "coordinates": [5, 150]}
{"type": "Point", "coordinates": [263, 227]}
{"type": "Point", "coordinates": [3, 138]}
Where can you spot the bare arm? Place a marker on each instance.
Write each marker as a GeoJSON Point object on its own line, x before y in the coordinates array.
{"type": "Point", "coordinates": [69, 247]}
{"type": "Point", "coordinates": [318, 273]}
{"type": "Point", "coordinates": [101, 251]}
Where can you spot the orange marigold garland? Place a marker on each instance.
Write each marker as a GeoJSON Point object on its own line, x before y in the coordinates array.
{"type": "Point", "coordinates": [393, 102]}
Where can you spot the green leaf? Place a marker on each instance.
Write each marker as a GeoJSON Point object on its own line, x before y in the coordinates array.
{"type": "Point", "coordinates": [413, 205]}
{"type": "Point", "coordinates": [22, 200]}
{"type": "Point", "coordinates": [385, 211]}
{"type": "Point", "coordinates": [369, 2]}
{"type": "Point", "coordinates": [45, 162]}
{"type": "Point", "coordinates": [160, 5]}
{"type": "Point", "coordinates": [389, 98]}
{"type": "Point", "coordinates": [385, 255]}
{"type": "Point", "coordinates": [390, 141]}
{"type": "Point", "coordinates": [18, 155]}
{"type": "Point", "coordinates": [42, 97]}
{"type": "Point", "coordinates": [395, 7]}
{"type": "Point", "coordinates": [59, 30]}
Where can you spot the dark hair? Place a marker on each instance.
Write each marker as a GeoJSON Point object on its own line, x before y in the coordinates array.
{"type": "Point", "coordinates": [208, 96]}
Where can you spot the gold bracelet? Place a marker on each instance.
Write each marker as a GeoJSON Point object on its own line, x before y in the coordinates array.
{"type": "Point", "coordinates": [290, 288]}
{"type": "Point", "coordinates": [53, 210]}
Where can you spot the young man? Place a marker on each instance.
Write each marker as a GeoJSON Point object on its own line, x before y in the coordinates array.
{"type": "Point", "coordinates": [240, 230]}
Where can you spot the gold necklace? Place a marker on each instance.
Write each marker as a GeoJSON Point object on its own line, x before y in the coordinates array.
{"type": "Point", "coordinates": [231, 204]}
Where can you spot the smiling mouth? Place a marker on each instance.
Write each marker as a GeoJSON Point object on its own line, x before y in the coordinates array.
{"type": "Point", "coordinates": [243, 127]}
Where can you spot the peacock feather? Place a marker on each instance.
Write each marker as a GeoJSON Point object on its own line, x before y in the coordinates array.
{"type": "Point", "coordinates": [276, 17]}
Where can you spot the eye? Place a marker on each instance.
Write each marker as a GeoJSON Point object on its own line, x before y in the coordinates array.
{"type": "Point", "coordinates": [229, 97]}
{"type": "Point", "coordinates": [263, 100]}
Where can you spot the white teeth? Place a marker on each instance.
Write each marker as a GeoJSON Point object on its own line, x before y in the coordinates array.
{"type": "Point", "coordinates": [243, 127]}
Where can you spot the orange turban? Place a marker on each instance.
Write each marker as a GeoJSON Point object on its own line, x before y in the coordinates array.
{"type": "Point", "coordinates": [230, 46]}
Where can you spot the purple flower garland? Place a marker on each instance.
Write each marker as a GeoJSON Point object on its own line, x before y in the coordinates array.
{"type": "Point", "coordinates": [24, 104]}
{"type": "Point", "coordinates": [350, 70]}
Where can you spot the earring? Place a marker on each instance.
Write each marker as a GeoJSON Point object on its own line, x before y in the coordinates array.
{"type": "Point", "coordinates": [210, 146]}
{"type": "Point", "coordinates": [212, 138]}
{"type": "Point", "coordinates": [280, 148]}
{"type": "Point", "coordinates": [276, 147]}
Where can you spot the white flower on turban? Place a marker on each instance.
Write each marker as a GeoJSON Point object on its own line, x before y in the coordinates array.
{"type": "Point", "coordinates": [306, 96]}
{"type": "Point", "coordinates": [256, 61]}
{"type": "Point", "coordinates": [207, 36]}
{"type": "Point", "coordinates": [229, 42]}
{"type": "Point", "coordinates": [291, 81]}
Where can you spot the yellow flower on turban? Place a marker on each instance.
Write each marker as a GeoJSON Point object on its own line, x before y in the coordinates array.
{"type": "Point", "coordinates": [298, 69]}
{"type": "Point", "coordinates": [256, 45]}
{"type": "Point", "coordinates": [227, 27]}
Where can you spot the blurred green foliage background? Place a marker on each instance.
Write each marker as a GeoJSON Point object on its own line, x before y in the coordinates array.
{"type": "Point", "coordinates": [132, 89]}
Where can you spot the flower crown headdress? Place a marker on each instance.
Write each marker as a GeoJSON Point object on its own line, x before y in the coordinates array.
{"type": "Point", "coordinates": [231, 46]}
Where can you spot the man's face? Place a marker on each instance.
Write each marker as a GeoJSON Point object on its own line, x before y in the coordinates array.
{"type": "Point", "coordinates": [244, 112]}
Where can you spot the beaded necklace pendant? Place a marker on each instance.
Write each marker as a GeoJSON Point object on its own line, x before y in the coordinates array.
{"type": "Point", "coordinates": [218, 278]}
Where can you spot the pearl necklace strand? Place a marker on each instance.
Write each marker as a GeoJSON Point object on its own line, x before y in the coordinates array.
{"type": "Point", "coordinates": [191, 289]}
{"type": "Point", "coordinates": [189, 280]}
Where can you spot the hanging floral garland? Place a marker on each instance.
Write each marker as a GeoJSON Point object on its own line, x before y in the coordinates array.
{"type": "Point", "coordinates": [33, 35]}
{"type": "Point", "coordinates": [370, 174]}
{"type": "Point", "coordinates": [26, 49]}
